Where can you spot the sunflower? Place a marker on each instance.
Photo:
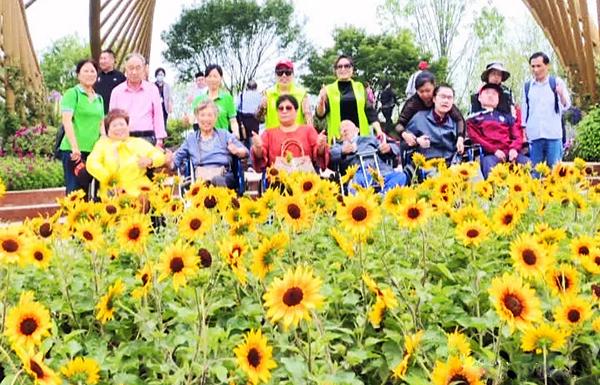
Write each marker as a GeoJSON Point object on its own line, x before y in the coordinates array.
{"type": "Point", "coordinates": [581, 247]}
{"type": "Point", "coordinates": [344, 243]}
{"type": "Point", "coordinates": [233, 250]}
{"type": "Point", "coordinates": [269, 248]}
{"type": "Point", "coordinates": [359, 214]}
{"type": "Point", "coordinates": [515, 302]}
{"type": "Point", "coordinates": [294, 212]}
{"type": "Point", "coordinates": [470, 212]}
{"type": "Point", "coordinates": [253, 211]}
{"type": "Point", "coordinates": [596, 325]}
{"type": "Point", "coordinates": [413, 214]}
{"type": "Point", "coordinates": [471, 233]}
{"type": "Point", "coordinates": [563, 280]}
{"type": "Point", "coordinates": [133, 232]}
{"type": "Point", "coordinates": [106, 306]}
{"type": "Point", "coordinates": [90, 233]}
{"type": "Point", "coordinates": [547, 235]}
{"type": "Point", "coordinates": [11, 245]}
{"type": "Point", "coordinates": [194, 224]}
{"type": "Point", "coordinates": [38, 254]}
{"type": "Point", "coordinates": [349, 175]}
{"type": "Point", "coordinates": [484, 189]}
{"type": "Point", "coordinates": [529, 257]}
{"type": "Point", "coordinates": [399, 370]}
{"type": "Point", "coordinates": [305, 184]}
{"type": "Point", "coordinates": [542, 169]}
{"type": "Point", "coordinates": [573, 311]}
{"type": "Point", "coordinates": [458, 343]}
{"type": "Point", "coordinates": [205, 258]}
{"type": "Point", "coordinates": [82, 369]}
{"type": "Point", "coordinates": [180, 262]}
{"type": "Point", "coordinates": [535, 337]}
{"type": "Point", "coordinates": [418, 159]}
{"type": "Point", "coordinates": [456, 371]}
{"type": "Point", "coordinates": [592, 262]}
{"type": "Point", "coordinates": [34, 365]}
{"type": "Point", "coordinates": [386, 295]}
{"type": "Point", "coordinates": [395, 197]}
{"type": "Point", "coordinates": [27, 323]}
{"type": "Point", "coordinates": [377, 312]}
{"type": "Point", "coordinates": [506, 219]}
{"type": "Point", "coordinates": [44, 227]}
{"type": "Point", "coordinates": [290, 299]}
{"type": "Point", "coordinates": [255, 357]}
{"type": "Point", "coordinates": [145, 276]}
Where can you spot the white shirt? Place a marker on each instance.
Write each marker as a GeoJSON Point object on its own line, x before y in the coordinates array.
{"type": "Point", "coordinates": [543, 121]}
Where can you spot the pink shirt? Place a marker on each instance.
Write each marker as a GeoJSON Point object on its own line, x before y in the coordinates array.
{"type": "Point", "coordinates": [143, 106]}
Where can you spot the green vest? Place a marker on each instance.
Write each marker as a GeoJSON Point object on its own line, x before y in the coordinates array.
{"type": "Point", "coordinates": [334, 118]}
{"type": "Point", "coordinates": [272, 119]}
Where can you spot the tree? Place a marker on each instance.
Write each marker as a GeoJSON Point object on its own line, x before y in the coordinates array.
{"type": "Point", "coordinates": [59, 61]}
{"type": "Point", "coordinates": [377, 58]}
{"type": "Point", "coordinates": [240, 35]}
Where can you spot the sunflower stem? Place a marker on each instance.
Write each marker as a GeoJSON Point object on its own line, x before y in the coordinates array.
{"type": "Point", "coordinates": [14, 381]}
{"type": "Point", "coordinates": [8, 357]}
{"type": "Point", "coordinates": [65, 285]}
{"type": "Point", "coordinates": [497, 354]}
{"type": "Point", "coordinates": [545, 352]}
{"type": "Point", "coordinates": [5, 297]}
{"type": "Point", "coordinates": [476, 290]}
{"type": "Point", "coordinates": [309, 342]}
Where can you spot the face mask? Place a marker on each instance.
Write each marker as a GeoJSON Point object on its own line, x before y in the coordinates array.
{"type": "Point", "coordinates": [160, 78]}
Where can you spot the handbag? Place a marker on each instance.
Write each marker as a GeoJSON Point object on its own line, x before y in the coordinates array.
{"type": "Point", "coordinates": [290, 164]}
{"type": "Point", "coordinates": [207, 173]}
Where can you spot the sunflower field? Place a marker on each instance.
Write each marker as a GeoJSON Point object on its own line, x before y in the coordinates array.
{"type": "Point", "coordinates": [447, 282]}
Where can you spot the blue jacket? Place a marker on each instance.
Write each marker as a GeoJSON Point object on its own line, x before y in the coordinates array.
{"type": "Point", "coordinates": [211, 153]}
{"type": "Point", "coordinates": [364, 144]}
{"type": "Point", "coordinates": [442, 138]}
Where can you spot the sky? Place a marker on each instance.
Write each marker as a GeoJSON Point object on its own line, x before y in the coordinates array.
{"type": "Point", "coordinates": [321, 17]}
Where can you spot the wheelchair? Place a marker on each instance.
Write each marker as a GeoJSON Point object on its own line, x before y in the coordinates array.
{"type": "Point", "coordinates": [187, 176]}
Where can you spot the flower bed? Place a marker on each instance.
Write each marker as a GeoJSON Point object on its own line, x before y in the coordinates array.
{"type": "Point", "coordinates": [26, 173]}
{"type": "Point", "coordinates": [448, 282]}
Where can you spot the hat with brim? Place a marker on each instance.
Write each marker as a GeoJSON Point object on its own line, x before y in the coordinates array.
{"type": "Point", "coordinates": [495, 66]}
{"type": "Point", "coordinates": [82, 176]}
{"type": "Point", "coordinates": [491, 86]}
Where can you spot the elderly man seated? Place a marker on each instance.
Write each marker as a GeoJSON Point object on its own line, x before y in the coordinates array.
{"type": "Point", "coordinates": [355, 148]}
{"type": "Point", "coordinates": [499, 134]}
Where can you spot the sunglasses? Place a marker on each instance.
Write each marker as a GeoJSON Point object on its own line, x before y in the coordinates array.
{"type": "Point", "coordinates": [340, 66]}
{"type": "Point", "coordinates": [285, 108]}
{"type": "Point", "coordinates": [284, 72]}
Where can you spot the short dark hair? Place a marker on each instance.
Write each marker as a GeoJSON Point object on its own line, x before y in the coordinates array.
{"type": "Point", "coordinates": [160, 69]}
{"type": "Point", "coordinates": [349, 58]}
{"type": "Point", "coordinates": [199, 74]}
{"type": "Point", "coordinates": [289, 98]}
{"type": "Point", "coordinates": [83, 62]}
{"type": "Point", "coordinates": [443, 85]}
{"type": "Point", "coordinates": [108, 50]}
{"type": "Point", "coordinates": [211, 67]}
{"type": "Point", "coordinates": [544, 57]}
{"type": "Point", "coordinates": [424, 78]}
{"type": "Point", "coordinates": [252, 85]}
{"type": "Point", "coordinates": [114, 114]}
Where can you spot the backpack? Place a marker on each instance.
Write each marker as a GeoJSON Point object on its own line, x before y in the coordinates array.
{"type": "Point", "coordinates": [60, 133]}
{"type": "Point", "coordinates": [552, 82]}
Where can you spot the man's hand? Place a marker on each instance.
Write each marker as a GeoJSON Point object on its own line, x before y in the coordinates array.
{"type": "Point", "coordinates": [409, 138]}
{"type": "Point", "coordinates": [348, 148]}
{"type": "Point", "coordinates": [257, 142]}
{"type": "Point", "coordinates": [500, 155]}
{"type": "Point", "coordinates": [385, 148]}
{"type": "Point", "coordinates": [460, 145]}
{"type": "Point", "coordinates": [423, 141]}
{"type": "Point", "coordinates": [321, 141]}
{"type": "Point", "coordinates": [159, 143]}
{"type": "Point", "coordinates": [512, 154]}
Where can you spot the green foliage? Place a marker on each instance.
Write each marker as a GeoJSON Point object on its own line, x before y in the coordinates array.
{"type": "Point", "coordinates": [30, 173]}
{"type": "Point", "coordinates": [176, 130]}
{"type": "Point", "coordinates": [240, 35]}
{"type": "Point", "coordinates": [587, 136]}
{"type": "Point", "coordinates": [32, 141]}
{"type": "Point", "coordinates": [377, 58]}
{"type": "Point", "coordinates": [58, 62]}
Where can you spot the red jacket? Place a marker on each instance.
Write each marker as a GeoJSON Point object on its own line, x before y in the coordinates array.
{"type": "Point", "coordinates": [495, 130]}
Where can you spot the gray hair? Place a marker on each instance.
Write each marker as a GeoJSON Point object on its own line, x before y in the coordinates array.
{"type": "Point", "coordinates": [207, 104]}
{"type": "Point", "coordinates": [135, 54]}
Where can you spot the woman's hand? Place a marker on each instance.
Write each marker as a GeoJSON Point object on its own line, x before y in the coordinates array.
{"type": "Point", "coordinates": [409, 138]}
{"type": "Point", "coordinates": [460, 145]}
{"type": "Point", "coordinates": [423, 141]}
{"type": "Point", "coordinates": [257, 142]}
{"type": "Point", "coordinates": [235, 150]}
{"type": "Point", "coordinates": [75, 154]}
{"type": "Point", "coordinates": [321, 141]}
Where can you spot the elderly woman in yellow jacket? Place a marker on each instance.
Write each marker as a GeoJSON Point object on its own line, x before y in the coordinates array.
{"type": "Point", "coordinates": [119, 162]}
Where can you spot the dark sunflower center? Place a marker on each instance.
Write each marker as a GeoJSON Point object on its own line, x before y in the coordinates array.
{"type": "Point", "coordinates": [176, 264]}
{"type": "Point", "coordinates": [195, 191]}
{"type": "Point", "coordinates": [45, 230]}
{"type": "Point", "coordinates": [273, 172]}
{"type": "Point", "coordinates": [28, 326]}
{"type": "Point", "coordinates": [10, 245]}
{"type": "Point", "coordinates": [235, 203]}
{"type": "Point", "coordinates": [472, 233]}
{"type": "Point", "coordinates": [88, 236]}
{"type": "Point", "coordinates": [359, 213]}
{"type": "Point", "coordinates": [307, 186]}
{"type": "Point", "coordinates": [562, 281]}
{"type": "Point", "coordinates": [134, 233]}
{"type": "Point", "coordinates": [507, 219]}
{"type": "Point", "coordinates": [294, 211]}
{"type": "Point", "coordinates": [513, 304]}
{"type": "Point", "coordinates": [38, 255]}
{"type": "Point", "coordinates": [195, 224]}
{"type": "Point", "coordinates": [36, 369]}
{"type": "Point", "coordinates": [110, 209]}
{"type": "Point", "coordinates": [444, 189]}
{"type": "Point", "coordinates": [145, 279]}
{"type": "Point", "coordinates": [562, 172]}
{"type": "Point", "coordinates": [529, 257]}
{"type": "Point", "coordinates": [254, 358]}
{"type": "Point", "coordinates": [205, 258]}
{"type": "Point", "coordinates": [293, 296]}
{"type": "Point", "coordinates": [596, 290]}
{"type": "Point", "coordinates": [573, 315]}
{"type": "Point", "coordinates": [583, 250]}
{"type": "Point", "coordinates": [459, 379]}
{"type": "Point", "coordinates": [518, 188]}
{"type": "Point", "coordinates": [210, 202]}
{"type": "Point", "coordinates": [413, 213]}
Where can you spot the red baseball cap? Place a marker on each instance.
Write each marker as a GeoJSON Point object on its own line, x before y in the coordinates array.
{"type": "Point", "coordinates": [423, 65]}
{"type": "Point", "coordinates": [285, 63]}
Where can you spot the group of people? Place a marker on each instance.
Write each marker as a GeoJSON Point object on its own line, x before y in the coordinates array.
{"type": "Point", "coordinates": [119, 150]}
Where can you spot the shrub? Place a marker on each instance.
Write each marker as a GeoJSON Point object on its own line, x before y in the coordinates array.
{"type": "Point", "coordinates": [176, 129]}
{"type": "Point", "coordinates": [587, 136]}
{"type": "Point", "coordinates": [32, 141]}
{"type": "Point", "coordinates": [25, 173]}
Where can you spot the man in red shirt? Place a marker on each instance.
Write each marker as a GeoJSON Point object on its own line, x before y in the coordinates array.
{"type": "Point", "coordinates": [499, 134]}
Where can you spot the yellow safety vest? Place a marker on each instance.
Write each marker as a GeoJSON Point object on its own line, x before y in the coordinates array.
{"type": "Point", "coordinates": [334, 118]}
{"type": "Point", "coordinates": [272, 119]}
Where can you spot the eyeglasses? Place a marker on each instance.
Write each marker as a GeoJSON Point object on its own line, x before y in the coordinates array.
{"type": "Point", "coordinates": [284, 72]}
{"type": "Point", "coordinates": [340, 66]}
{"type": "Point", "coordinates": [285, 108]}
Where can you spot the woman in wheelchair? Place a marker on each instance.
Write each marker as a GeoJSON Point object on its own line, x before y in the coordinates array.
{"type": "Point", "coordinates": [436, 133]}
{"type": "Point", "coordinates": [210, 150]}
{"type": "Point", "coordinates": [366, 152]}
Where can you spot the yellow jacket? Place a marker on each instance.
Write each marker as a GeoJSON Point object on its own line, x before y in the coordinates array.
{"type": "Point", "coordinates": [115, 164]}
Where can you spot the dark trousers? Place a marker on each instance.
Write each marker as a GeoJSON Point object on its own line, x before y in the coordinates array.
{"type": "Point", "coordinates": [387, 114]}
{"type": "Point", "coordinates": [71, 182]}
{"type": "Point", "coordinates": [250, 124]}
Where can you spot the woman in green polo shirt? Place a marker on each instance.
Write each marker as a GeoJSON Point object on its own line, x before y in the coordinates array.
{"type": "Point", "coordinates": [223, 99]}
{"type": "Point", "coordinates": [82, 114]}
